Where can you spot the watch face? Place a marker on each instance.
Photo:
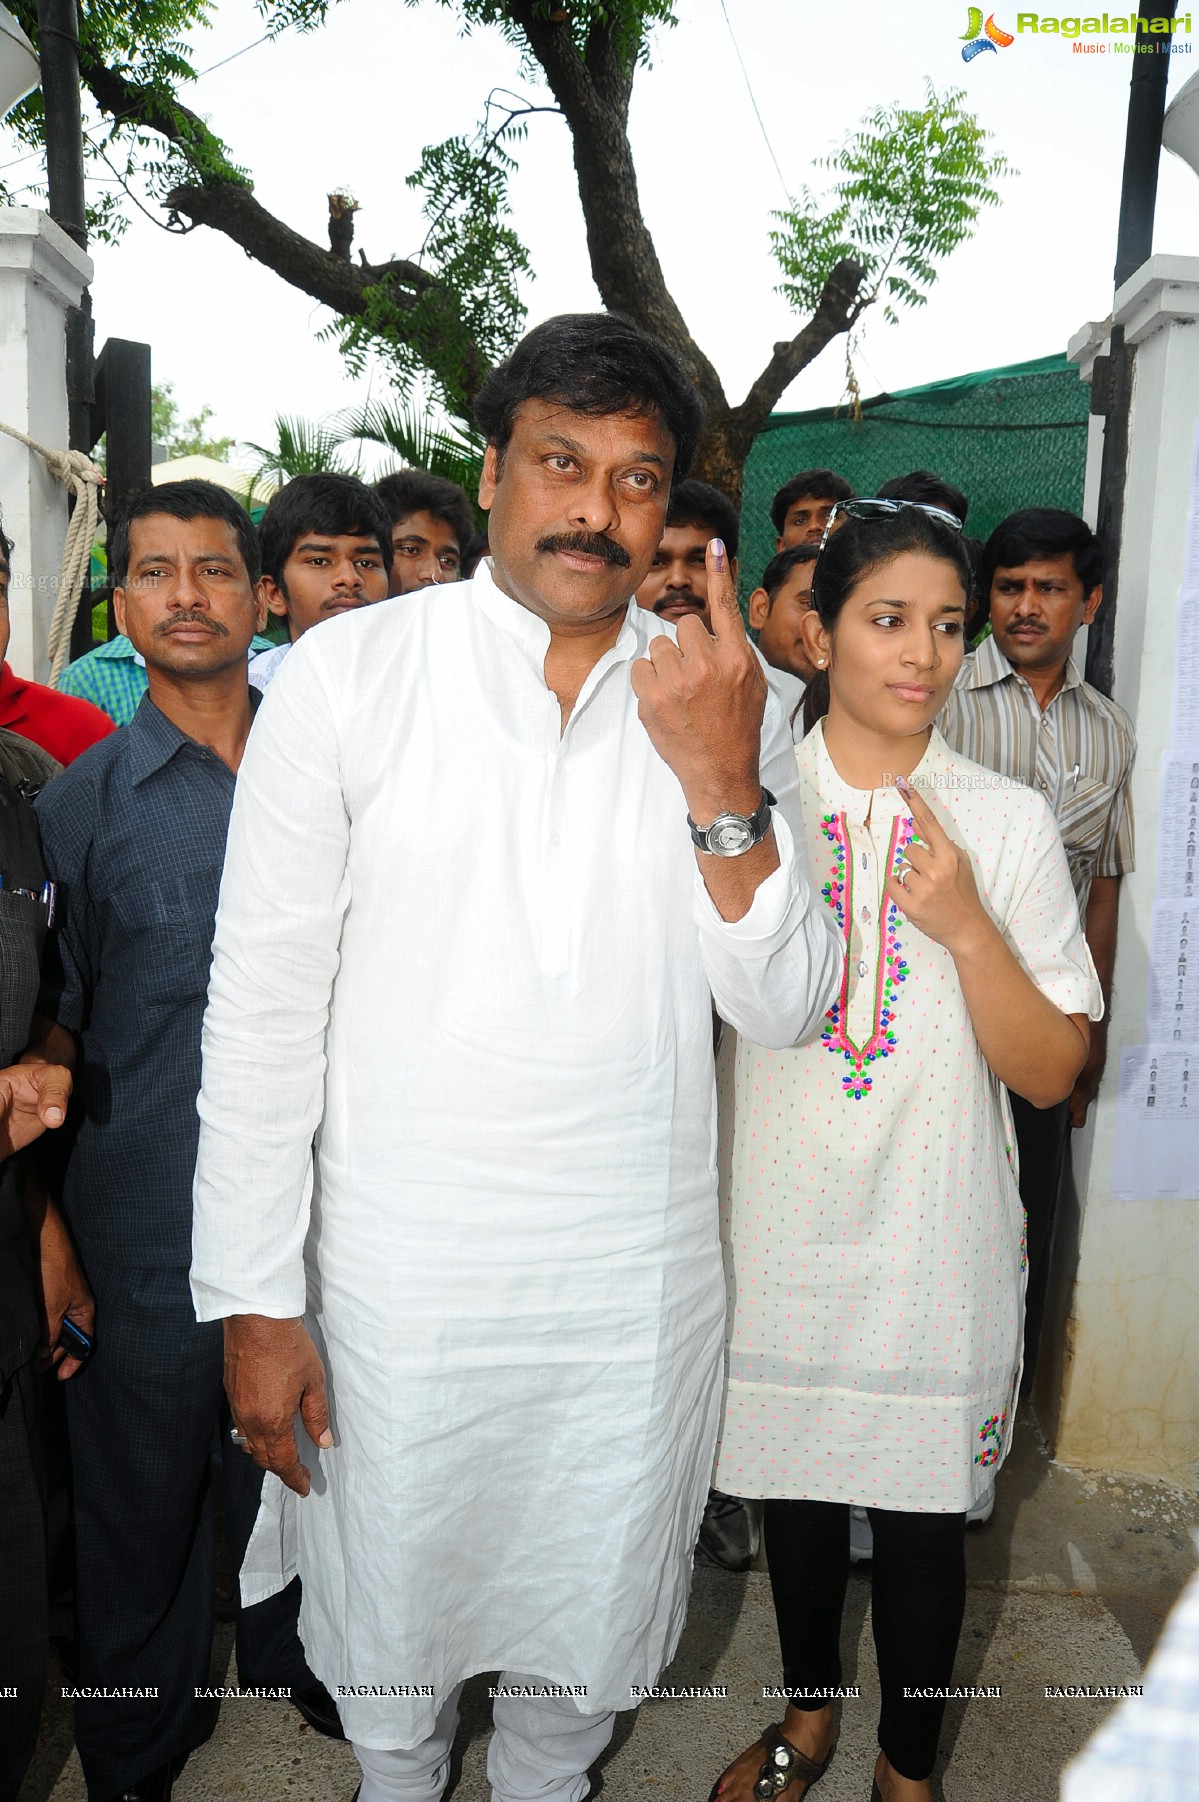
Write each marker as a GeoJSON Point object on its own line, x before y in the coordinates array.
{"type": "Point", "coordinates": [730, 836]}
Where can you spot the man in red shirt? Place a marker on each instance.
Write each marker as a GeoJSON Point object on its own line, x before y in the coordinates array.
{"type": "Point", "coordinates": [63, 725]}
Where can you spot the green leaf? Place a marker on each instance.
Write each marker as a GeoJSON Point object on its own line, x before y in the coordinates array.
{"type": "Point", "coordinates": [911, 185]}
{"type": "Point", "coordinates": [473, 306]}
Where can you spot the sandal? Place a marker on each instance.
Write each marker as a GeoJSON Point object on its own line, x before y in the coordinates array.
{"type": "Point", "coordinates": [783, 1764]}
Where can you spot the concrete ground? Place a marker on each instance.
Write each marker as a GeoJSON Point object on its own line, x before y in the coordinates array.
{"type": "Point", "coordinates": [1069, 1584]}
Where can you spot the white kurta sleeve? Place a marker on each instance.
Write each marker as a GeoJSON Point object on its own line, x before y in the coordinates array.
{"type": "Point", "coordinates": [776, 971]}
{"type": "Point", "coordinates": [284, 893]}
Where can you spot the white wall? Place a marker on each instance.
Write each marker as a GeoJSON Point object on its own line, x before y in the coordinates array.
{"type": "Point", "coordinates": [42, 273]}
{"type": "Point", "coordinates": [1129, 1383]}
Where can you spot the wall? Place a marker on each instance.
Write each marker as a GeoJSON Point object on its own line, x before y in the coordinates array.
{"type": "Point", "coordinates": [1125, 1394]}
{"type": "Point", "coordinates": [42, 273]}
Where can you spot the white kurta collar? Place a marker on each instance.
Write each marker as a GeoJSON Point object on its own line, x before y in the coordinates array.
{"type": "Point", "coordinates": [532, 634]}
{"type": "Point", "coordinates": [878, 803]}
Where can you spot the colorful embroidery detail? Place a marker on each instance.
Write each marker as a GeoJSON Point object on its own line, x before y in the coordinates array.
{"type": "Point", "coordinates": [892, 968]}
{"type": "Point", "coordinates": [832, 826]}
{"type": "Point", "coordinates": [1024, 1241]}
{"type": "Point", "coordinates": [991, 1440]}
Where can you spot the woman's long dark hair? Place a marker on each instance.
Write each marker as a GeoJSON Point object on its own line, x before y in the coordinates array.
{"type": "Point", "coordinates": [853, 552]}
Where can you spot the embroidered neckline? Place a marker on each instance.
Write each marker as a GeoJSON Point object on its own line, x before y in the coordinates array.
{"type": "Point", "coordinates": [891, 967]}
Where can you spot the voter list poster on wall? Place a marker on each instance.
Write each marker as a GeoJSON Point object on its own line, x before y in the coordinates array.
{"type": "Point", "coordinates": [1157, 1122]}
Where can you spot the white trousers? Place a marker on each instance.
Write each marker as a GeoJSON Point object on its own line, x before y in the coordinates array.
{"type": "Point", "coordinates": [541, 1751]}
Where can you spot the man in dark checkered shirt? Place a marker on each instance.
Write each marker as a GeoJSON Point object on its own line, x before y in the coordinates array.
{"type": "Point", "coordinates": [134, 833]}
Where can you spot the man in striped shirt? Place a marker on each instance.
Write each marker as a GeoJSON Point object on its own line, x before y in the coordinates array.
{"type": "Point", "coordinates": [1021, 707]}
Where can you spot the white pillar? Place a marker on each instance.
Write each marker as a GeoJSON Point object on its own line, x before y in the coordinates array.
{"type": "Point", "coordinates": [1129, 1384]}
{"type": "Point", "coordinates": [42, 273]}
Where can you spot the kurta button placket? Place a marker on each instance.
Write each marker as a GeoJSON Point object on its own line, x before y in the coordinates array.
{"type": "Point", "coordinates": [856, 949]}
{"type": "Point", "coordinates": [555, 935]}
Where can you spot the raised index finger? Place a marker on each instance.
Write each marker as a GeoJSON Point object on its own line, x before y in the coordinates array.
{"type": "Point", "coordinates": [931, 829]}
{"type": "Point", "coordinates": [723, 610]}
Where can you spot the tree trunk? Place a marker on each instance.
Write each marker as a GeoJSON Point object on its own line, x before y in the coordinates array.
{"type": "Point", "coordinates": [593, 92]}
{"type": "Point", "coordinates": [722, 454]}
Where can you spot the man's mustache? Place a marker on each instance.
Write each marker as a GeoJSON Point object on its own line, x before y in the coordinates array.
{"type": "Point", "coordinates": [680, 597]}
{"type": "Point", "coordinates": [586, 544]}
{"type": "Point", "coordinates": [165, 627]}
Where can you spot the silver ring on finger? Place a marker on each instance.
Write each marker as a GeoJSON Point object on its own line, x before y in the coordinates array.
{"type": "Point", "coordinates": [239, 1438]}
{"type": "Point", "coordinates": [902, 873]}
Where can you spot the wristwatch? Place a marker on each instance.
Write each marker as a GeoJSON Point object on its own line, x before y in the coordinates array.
{"type": "Point", "coordinates": [732, 834]}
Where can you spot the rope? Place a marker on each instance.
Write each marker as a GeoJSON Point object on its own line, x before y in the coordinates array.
{"type": "Point", "coordinates": [82, 480]}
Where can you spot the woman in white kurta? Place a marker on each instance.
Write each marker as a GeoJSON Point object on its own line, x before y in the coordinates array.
{"type": "Point", "coordinates": [873, 1227]}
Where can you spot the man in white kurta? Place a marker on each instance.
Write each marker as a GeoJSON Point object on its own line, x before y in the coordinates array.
{"type": "Point", "coordinates": [474, 957]}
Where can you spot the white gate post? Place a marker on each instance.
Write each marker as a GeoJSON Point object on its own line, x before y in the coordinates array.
{"type": "Point", "coordinates": [1126, 1394]}
{"type": "Point", "coordinates": [42, 274]}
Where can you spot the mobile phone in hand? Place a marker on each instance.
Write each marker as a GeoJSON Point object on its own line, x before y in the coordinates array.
{"type": "Point", "coordinates": [74, 1341]}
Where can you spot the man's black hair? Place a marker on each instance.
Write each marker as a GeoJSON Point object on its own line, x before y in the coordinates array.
{"type": "Point", "coordinates": [593, 363]}
{"type": "Point", "coordinates": [781, 565]}
{"type": "Point", "coordinates": [923, 486]}
{"type": "Point", "coordinates": [473, 553]}
{"type": "Point", "coordinates": [181, 500]}
{"type": "Point", "coordinates": [1036, 533]}
{"type": "Point", "coordinates": [6, 543]}
{"type": "Point", "coordinates": [407, 491]}
{"type": "Point", "coordinates": [699, 504]}
{"type": "Point", "coordinates": [334, 506]}
{"type": "Point", "coordinates": [813, 484]}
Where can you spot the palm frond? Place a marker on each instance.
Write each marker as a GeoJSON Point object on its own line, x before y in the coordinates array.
{"type": "Point", "coordinates": [418, 438]}
{"type": "Point", "coordinates": [302, 447]}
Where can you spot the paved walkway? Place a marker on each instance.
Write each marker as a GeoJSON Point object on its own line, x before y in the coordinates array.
{"type": "Point", "coordinates": [1069, 1585]}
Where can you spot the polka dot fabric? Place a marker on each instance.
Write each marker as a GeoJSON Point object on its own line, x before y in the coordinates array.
{"type": "Point", "coordinates": [872, 1228]}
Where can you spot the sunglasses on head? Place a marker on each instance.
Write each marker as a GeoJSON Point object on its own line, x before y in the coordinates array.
{"type": "Point", "coordinates": [881, 509]}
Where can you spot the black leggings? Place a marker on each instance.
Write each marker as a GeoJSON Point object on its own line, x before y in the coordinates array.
{"type": "Point", "coordinates": [918, 1597]}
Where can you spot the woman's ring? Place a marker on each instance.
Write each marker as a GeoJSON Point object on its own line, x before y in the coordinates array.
{"type": "Point", "coordinates": [902, 874]}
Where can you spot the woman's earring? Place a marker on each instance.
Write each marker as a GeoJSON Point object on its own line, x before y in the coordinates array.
{"type": "Point", "coordinates": [820, 662]}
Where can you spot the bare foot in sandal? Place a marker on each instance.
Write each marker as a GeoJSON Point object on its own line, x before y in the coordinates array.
{"type": "Point", "coordinates": [810, 1732]}
{"type": "Point", "coordinates": [891, 1787]}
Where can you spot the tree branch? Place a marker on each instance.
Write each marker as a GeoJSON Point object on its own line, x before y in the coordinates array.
{"type": "Point", "coordinates": [836, 311]}
{"type": "Point", "coordinates": [228, 205]}
{"type": "Point", "coordinates": [333, 280]}
{"type": "Point", "coordinates": [130, 102]}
